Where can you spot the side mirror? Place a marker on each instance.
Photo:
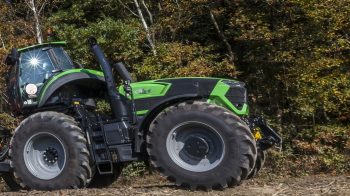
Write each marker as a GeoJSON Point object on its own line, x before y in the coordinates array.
{"type": "Point", "coordinates": [12, 58]}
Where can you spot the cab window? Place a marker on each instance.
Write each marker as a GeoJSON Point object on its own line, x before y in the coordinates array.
{"type": "Point", "coordinates": [35, 66]}
{"type": "Point", "coordinates": [63, 60]}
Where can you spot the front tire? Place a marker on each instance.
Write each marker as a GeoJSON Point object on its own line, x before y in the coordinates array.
{"type": "Point", "coordinates": [11, 182]}
{"type": "Point", "coordinates": [200, 145]}
{"type": "Point", "coordinates": [49, 152]}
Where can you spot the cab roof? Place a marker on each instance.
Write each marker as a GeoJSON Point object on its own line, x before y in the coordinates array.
{"type": "Point", "coordinates": [43, 44]}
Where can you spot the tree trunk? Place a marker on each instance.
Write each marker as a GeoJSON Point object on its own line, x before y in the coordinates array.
{"type": "Point", "coordinates": [231, 55]}
{"type": "Point", "coordinates": [38, 32]}
{"type": "Point", "coordinates": [150, 21]}
{"type": "Point", "coordinates": [145, 26]}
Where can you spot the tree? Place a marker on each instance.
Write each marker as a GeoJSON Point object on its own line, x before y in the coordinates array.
{"type": "Point", "coordinates": [149, 35]}
{"type": "Point", "coordinates": [37, 8]}
{"type": "Point", "coordinates": [32, 13]}
{"type": "Point", "coordinates": [231, 55]}
{"type": "Point", "coordinates": [150, 39]}
{"type": "Point", "coordinates": [293, 54]}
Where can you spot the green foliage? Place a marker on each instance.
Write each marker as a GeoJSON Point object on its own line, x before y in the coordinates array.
{"type": "Point", "coordinates": [293, 55]}
{"type": "Point", "coordinates": [323, 149]}
{"type": "Point", "coordinates": [8, 121]}
{"type": "Point", "coordinates": [177, 59]}
{"type": "Point", "coordinates": [134, 169]}
{"type": "Point", "coordinates": [119, 39]}
{"type": "Point", "coordinates": [102, 106]}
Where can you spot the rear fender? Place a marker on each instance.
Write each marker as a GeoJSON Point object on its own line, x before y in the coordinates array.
{"type": "Point", "coordinates": [149, 115]}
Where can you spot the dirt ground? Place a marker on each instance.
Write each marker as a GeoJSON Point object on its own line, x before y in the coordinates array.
{"type": "Point", "coordinates": [154, 185]}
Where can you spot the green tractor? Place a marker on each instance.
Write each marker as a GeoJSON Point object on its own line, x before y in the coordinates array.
{"type": "Point", "coordinates": [195, 131]}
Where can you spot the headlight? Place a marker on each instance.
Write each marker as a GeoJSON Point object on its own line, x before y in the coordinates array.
{"type": "Point", "coordinates": [31, 89]}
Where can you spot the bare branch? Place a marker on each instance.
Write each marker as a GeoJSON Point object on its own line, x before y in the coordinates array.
{"type": "Point", "coordinates": [4, 97]}
{"type": "Point", "coordinates": [29, 28]}
{"type": "Point", "coordinates": [148, 12]}
{"type": "Point", "coordinates": [150, 19]}
{"type": "Point", "coordinates": [29, 5]}
{"type": "Point", "coordinates": [126, 7]}
{"type": "Point", "coordinates": [42, 7]}
{"type": "Point", "coordinates": [145, 26]}
{"type": "Point", "coordinates": [223, 38]}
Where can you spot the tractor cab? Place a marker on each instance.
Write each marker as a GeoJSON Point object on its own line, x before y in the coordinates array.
{"type": "Point", "coordinates": [30, 67]}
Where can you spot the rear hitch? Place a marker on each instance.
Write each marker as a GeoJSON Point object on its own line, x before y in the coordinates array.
{"type": "Point", "coordinates": [270, 137]}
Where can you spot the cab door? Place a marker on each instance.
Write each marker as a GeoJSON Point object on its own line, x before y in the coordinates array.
{"type": "Point", "coordinates": [13, 89]}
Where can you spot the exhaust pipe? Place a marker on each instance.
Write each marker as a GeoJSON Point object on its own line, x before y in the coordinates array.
{"type": "Point", "coordinates": [123, 72]}
{"type": "Point", "coordinates": [118, 107]}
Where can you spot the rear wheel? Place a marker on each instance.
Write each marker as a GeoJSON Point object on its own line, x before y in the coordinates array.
{"type": "Point", "coordinates": [49, 152]}
{"type": "Point", "coordinates": [260, 160]}
{"type": "Point", "coordinates": [199, 145]}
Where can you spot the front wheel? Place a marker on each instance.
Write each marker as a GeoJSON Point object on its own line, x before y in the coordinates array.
{"type": "Point", "coordinates": [10, 181]}
{"type": "Point", "coordinates": [49, 152]}
{"type": "Point", "coordinates": [199, 145]}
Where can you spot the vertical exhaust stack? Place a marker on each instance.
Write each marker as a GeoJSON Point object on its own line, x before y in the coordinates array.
{"type": "Point", "coordinates": [123, 72]}
{"type": "Point", "coordinates": [117, 105]}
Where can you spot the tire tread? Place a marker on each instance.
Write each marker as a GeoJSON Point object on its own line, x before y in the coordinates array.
{"type": "Point", "coordinates": [82, 175]}
{"type": "Point", "coordinates": [247, 163]}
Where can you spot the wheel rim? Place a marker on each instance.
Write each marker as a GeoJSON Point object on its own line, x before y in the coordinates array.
{"type": "Point", "coordinates": [195, 146]}
{"type": "Point", "coordinates": [44, 155]}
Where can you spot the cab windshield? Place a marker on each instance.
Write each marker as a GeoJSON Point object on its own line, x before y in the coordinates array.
{"type": "Point", "coordinates": [38, 65]}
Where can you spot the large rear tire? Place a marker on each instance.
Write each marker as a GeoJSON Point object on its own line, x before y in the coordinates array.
{"type": "Point", "coordinates": [49, 152]}
{"type": "Point", "coordinates": [260, 160]}
{"type": "Point", "coordinates": [200, 145]}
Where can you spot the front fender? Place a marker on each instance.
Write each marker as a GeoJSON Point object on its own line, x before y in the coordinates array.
{"type": "Point", "coordinates": [68, 77]}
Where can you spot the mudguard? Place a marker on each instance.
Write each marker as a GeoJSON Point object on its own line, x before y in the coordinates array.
{"type": "Point", "coordinates": [89, 77]}
{"type": "Point", "coordinates": [153, 96]}
{"type": "Point", "coordinates": [150, 94]}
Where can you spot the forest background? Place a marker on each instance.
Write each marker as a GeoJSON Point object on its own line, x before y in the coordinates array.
{"type": "Point", "coordinates": [293, 55]}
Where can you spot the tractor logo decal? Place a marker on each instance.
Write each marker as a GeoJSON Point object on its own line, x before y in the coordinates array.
{"type": "Point", "coordinates": [142, 91]}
